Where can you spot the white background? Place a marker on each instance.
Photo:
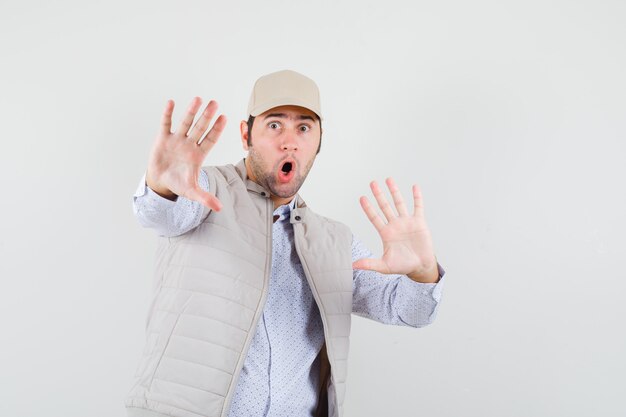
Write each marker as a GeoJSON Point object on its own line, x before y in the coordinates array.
{"type": "Point", "coordinates": [509, 114]}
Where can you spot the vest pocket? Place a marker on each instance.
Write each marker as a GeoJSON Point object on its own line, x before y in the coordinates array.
{"type": "Point", "coordinates": [165, 328]}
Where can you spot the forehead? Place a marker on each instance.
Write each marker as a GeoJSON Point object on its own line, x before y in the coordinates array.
{"type": "Point", "coordinates": [289, 111]}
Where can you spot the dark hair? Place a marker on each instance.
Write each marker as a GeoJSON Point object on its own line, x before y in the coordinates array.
{"type": "Point", "coordinates": [251, 122]}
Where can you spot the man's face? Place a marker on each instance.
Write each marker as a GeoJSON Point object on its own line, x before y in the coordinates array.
{"type": "Point", "coordinates": [284, 143]}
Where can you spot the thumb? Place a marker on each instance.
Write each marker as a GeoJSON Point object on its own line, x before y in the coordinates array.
{"type": "Point", "coordinates": [370, 264]}
{"type": "Point", "coordinates": [205, 198]}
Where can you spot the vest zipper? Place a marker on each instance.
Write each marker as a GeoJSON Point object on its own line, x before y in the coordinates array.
{"type": "Point", "coordinates": [305, 268]}
{"type": "Point", "coordinates": [266, 279]}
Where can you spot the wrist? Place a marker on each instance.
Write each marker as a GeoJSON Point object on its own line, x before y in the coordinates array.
{"type": "Point", "coordinates": [426, 277]}
{"type": "Point", "coordinates": [166, 194]}
{"type": "Point", "coordinates": [161, 191]}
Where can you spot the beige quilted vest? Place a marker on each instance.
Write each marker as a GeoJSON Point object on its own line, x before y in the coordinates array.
{"type": "Point", "coordinates": [211, 284]}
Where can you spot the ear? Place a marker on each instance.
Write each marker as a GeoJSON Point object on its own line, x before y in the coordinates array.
{"type": "Point", "coordinates": [243, 129]}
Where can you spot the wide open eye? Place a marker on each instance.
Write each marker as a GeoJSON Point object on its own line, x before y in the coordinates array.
{"type": "Point", "coordinates": [273, 125]}
{"type": "Point", "coordinates": [304, 128]}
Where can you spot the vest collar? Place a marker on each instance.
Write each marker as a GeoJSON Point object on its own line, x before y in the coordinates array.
{"type": "Point", "coordinates": [250, 185]}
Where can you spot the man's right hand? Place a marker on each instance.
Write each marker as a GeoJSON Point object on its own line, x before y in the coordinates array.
{"type": "Point", "coordinates": [176, 158]}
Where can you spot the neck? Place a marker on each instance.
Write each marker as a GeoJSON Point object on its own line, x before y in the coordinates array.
{"type": "Point", "coordinates": [278, 201]}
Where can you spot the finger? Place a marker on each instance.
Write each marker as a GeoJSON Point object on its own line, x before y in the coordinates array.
{"type": "Point", "coordinates": [382, 201]}
{"type": "Point", "coordinates": [203, 122]}
{"type": "Point", "coordinates": [166, 118]}
{"type": "Point", "coordinates": [418, 202]}
{"type": "Point", "coordinates": [371, 264]}
{"type": "Point", "coordinates": [397, 197]}
{"type": "Point", "coordinates": [206, 198]}
{"type": "Point", "coordinates": [211, 138]}
{"type": "Point", "coordinates": [189, 116]}
{"type": "Point", "coordinates": [371, 214]}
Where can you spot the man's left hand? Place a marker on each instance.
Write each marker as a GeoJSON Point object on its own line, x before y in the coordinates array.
{"type": "Point", "coordinates": [407, 244]}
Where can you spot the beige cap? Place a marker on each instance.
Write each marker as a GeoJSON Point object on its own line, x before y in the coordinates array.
{"type": "Point", "coordinates": [283, 88]}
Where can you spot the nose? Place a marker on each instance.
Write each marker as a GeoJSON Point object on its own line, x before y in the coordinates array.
{"type": "Point", "coordinates": [289, 142]}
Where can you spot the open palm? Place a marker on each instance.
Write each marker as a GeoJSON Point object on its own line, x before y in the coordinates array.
{"type": "Point", "coordinates": [177, 157]}
{"type": "Point", "coordinates": [407, 243]}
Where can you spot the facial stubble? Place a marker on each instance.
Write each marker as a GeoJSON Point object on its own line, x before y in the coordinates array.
{"type": "Point", "coordinates": [268, 178]}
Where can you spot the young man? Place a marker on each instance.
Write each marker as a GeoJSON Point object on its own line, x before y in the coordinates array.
{"type": "Point", "coordinates": [254, 290]}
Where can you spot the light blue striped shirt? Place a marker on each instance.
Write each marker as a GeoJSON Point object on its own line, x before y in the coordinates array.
{"type": "Point", "coordinates": [280, 376]}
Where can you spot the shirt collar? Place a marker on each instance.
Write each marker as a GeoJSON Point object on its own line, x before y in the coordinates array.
{"type": "Point", "coordinates": [284, 210]}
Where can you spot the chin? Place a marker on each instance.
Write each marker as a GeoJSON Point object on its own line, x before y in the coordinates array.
{"type": "Point", "coordinates": [284, 191]}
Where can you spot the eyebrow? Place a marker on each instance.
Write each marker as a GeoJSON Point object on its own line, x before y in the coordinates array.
{"type": "Point", "coordinates": [284, 116]}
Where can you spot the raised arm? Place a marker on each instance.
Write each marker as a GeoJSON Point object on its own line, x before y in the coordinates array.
{"type": "Point", "coordinates": [173, 196]}
{"type": "Point", "coordinates": [168, 218]}
{"type": "Point", "coordinates": [404, 285]}
{"type": "Point", "coordinates": [393, 298]}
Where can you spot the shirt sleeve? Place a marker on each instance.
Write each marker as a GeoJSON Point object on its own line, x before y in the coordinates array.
{"type": "Point", "coordinates": [393, 299]}
{"type": "Point", "coordinates": [169, 218]}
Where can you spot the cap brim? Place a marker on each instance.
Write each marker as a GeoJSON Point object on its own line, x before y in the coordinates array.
{"type": "Point", "coordinates": [284, 101]}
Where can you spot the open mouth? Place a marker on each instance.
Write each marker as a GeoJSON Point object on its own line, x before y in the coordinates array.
{"type": "Point", "coordinates": [286, 171]}
{"type": "Point", "coordinates": [286, 167]}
